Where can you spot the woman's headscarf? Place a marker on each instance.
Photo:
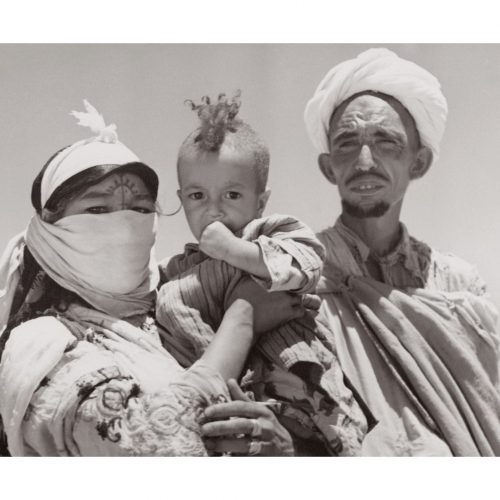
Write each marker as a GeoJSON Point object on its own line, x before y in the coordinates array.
{"type": "Point", "coordinates": [108, 260]}
{"type": "Point", "coordinates": [379, 70]}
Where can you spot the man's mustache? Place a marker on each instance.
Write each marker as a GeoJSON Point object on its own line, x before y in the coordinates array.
{"type": "Point", "coordinates": [365, 175]}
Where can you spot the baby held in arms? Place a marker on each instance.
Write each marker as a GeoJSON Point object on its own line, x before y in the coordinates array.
{"type": "Point", "coordinates": [222, 171]}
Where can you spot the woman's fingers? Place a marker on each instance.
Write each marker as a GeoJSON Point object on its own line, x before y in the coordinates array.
{"type": "Point", "coordinates": [236, 426]}
{"type": "Point", "coordinates": [241, 446]}
{"type": "Point", "coordinates": [310, 301]}
{"type": "Point", "coordinates": [248, 409]}
{"type": "Point", "coordinates": [236, 392]}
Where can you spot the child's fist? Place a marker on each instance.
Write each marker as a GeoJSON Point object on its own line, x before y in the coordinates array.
{"type": "Point", "coordinates": [216, 239]}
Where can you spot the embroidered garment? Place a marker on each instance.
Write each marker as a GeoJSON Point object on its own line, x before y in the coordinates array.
{"type": "Point", "coordinates": [86, 384]}
{"type": "Point", "coordinates": [295, 363]}
{"type": "Point", "coordinates": [420, 347]}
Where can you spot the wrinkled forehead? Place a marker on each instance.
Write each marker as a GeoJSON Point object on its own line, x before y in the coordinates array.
{"type": "Point", "coordinates": [375, 107]}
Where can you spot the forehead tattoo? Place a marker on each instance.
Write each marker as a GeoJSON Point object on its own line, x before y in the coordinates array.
{"type": "Point", "coordinates": [124, 183]}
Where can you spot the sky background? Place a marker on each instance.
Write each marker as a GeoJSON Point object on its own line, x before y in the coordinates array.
{"type": "Point", "coordinates": [142, 88]}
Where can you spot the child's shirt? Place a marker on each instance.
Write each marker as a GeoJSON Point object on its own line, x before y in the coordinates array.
{"type": "Point", "coordinates": [292, 254]}
{"type": "Point", "coordinates": [195, 288]}
{"type": "Point", "coordinates": [191, 302]}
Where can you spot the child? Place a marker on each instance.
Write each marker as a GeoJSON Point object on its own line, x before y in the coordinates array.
{"type": "Point", "coordinates": [222, 171]}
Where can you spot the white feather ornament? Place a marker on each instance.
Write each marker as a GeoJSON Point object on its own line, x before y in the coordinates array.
{"type": "Point", "coordinates": [92, 119]}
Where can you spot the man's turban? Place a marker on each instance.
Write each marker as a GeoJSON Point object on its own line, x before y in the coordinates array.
{"type": "Point", "coordinates": [379, 70]}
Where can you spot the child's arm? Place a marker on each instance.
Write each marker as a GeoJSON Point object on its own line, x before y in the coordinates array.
{"type": "Point", "coordinates": [279, 251]}
{"type": "Point", "coordinates": [218, 242]}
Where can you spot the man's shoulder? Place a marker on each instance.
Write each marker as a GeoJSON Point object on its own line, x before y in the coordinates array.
{"type": "Point", "coordinates": [451, 273]}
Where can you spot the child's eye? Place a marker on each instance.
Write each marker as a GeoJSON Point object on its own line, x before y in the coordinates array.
{"type": "Point", "coordinates": [233, 195]}
{"type": "Point", "coordinates": [196, 196]}
{"type": "Point", "coordinates": [97, 210]}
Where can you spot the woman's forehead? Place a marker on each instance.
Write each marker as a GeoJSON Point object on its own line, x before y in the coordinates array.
{"type": "Point", "coordinates": [118, 181]}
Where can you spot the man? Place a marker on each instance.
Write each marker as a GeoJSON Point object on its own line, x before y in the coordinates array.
{"type": "Point", "coordinates": [414, 328]}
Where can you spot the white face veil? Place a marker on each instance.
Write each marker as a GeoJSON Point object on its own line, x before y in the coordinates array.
{"type": "Point", "coordinates": [379, 70]}
{"type": "Point", "coordinates": [108, 260]}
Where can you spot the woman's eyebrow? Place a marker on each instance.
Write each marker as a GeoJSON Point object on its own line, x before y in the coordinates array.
{"type": "Point", "coordinates": [95, 194]}
{"type": "Point", "coordinates": [143, 196]}
{"type": "Point", "coordinates": [90, 195]}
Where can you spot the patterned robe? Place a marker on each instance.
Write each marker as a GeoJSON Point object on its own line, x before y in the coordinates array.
{"type": "Point", "coordinates": [86, 384]}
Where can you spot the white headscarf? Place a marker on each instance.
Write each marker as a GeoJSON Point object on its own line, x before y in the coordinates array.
{"type": "Point", "coordinates": [108, 260]}
{"type": "Point", "coordinates": [102, 149]}
{"type": "Point", "coordinates": [379, 70]}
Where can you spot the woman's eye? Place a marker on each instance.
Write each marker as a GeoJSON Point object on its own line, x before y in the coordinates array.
{"type": "Point", "coordinates": [195, 196]}
{"type": "Point", "coordinates": [143, 210]}
{"type": "Point", "coordinates": [97, 210]}
{"type": "Point", "coordinates": [233, 195]}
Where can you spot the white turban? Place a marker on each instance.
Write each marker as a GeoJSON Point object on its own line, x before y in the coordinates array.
{"type": "Point", "coordinates": [379, 70]}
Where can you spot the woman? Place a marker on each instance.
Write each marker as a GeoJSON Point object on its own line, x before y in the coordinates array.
{"type": "Point", "coordinates": [82, 369]}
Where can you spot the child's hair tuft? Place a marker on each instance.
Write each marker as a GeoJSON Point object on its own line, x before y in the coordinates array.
{"type": "Point", "coordinates": [216, 119]}
{"type": "Point", "coordinates": [221, 126]}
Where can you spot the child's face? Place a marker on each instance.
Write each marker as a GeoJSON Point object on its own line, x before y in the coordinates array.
{"type": "Point", "coordinates": [220, 186]}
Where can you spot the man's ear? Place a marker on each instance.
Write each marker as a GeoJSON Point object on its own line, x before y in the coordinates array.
{"type": "Point", "coordinates": [421, 164]}
{"type": "Point", "coordinates": [263, 199]}
{"type": "Point", "coordinates": [325, 165]}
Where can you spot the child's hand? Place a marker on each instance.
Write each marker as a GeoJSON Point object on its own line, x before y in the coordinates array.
{"type": "Point", "coordinates": [216, 240]}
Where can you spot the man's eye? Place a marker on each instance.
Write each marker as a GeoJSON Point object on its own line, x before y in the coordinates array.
{"type": "Point", "coordinates": [97, 210]}
{"type": "Point", "coordinates": [346, 146]}
{"type": "Point", "coordinates": [388, 144]}
{"type": "Point", "coordinates": [233, 195]}
{"type": "Point", "coordinates": [195, 196]}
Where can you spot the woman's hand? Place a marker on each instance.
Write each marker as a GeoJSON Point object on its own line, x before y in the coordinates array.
{"type": "Point", "coordinates": [271, 309]}
{"type": "Point", "coordinates": [244, 427]}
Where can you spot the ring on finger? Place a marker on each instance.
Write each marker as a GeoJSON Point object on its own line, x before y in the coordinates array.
{"type": "Point", "coordinates": [254, 448]}
{"type": "Point", "coordinates": [256, 428]}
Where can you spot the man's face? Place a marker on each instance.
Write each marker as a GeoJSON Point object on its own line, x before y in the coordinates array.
{"type": "Point", "coordinates": [374, 152]}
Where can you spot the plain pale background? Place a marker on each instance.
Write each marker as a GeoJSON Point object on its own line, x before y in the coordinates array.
{"type": "Point", "coordinates": [142, 89]}
{"type": "Point", "coordinates": [260, 20]}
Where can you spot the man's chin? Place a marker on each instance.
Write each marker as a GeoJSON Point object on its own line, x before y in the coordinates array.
{"type": "Point", "coordinates": [365, 212]}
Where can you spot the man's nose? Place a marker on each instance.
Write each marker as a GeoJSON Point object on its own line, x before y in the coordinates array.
{"type": "Point", "coordinates": [365, 159]}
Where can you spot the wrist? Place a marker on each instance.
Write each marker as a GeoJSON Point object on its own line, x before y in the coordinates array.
{"type": "Point", "coordinates": [232, 250]}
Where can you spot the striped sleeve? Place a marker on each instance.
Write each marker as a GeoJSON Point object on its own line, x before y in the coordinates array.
{"type": "Point", "coordinates": [291, 252]}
